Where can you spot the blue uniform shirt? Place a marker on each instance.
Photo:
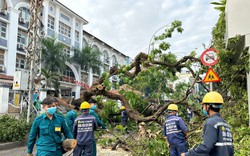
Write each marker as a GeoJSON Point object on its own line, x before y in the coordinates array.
{"type": "Point", "coordinates": [70, 118]}
{"type": "Point", "coordinates": [217, 139]}
{"type": "Point", "coordinates": [98, 120]}
{"type": "Point", "coordinates": [174, 128]}
{"type": "Point", "coordinates": [48, 133]}
{"type": "Point", "coordinates": [124, 118]}
{"type": "Point", "coordinates": [83, 129]}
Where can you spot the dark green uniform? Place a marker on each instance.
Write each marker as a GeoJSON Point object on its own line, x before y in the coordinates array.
{"type": "Point", "coordinates": [48, 134]}
{"type": "Point", "coordinates": [70, 118]}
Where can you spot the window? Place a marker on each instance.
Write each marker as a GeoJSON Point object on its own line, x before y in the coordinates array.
{"type": "Point", "coordinates": [105, 57]}
{"type": "Point", "coordinates": [77, 24]}
{"type": "Point", "coordinates": [64, 29]}
{"type": "Point", "coordinates": [95, 48]}
{"type": "Point", "coordinates": [51, 22]}
{"type": "Point", "coordinates": [84, 43]}
{"type": "Point", "coordinates": [114, 61]}
{"type": "Point", "coordinates": [25, 13]}
{"type": "Point", "coordinates": [77, 36]}
{"type": "Point", "coordinates": [66, 50]}
{"type": "Point", "coordinates": [106, 68]}
{"type": "Point", "coordinates": [22, 37]}
{"type": "Point", "coordinates": [2, 57]}
{"type": "Point", "coordinates": [65, 17]}
{"type": "Point", "coordinates": [3, 27]}
{"type": "Point", "coordinates": [20, 61]}
{"type": "Point", "coordinates": [69, 73]}
{"type": "Point", "coordinates": [51, 9]}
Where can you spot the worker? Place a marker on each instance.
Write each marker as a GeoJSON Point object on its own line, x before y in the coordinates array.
{"type": "Point", "coordinates": [217, 136]}
{"type": "Point", "coordinates": [83, 131]}
{"type": "Point", "coordinates": [71, 116]}
{"type": "Point", "coordinates": [47, 129]}
{"type": "Point", "coordinates": [175, 132]}
{"type": "Point", "coordinates": [92, 112]}
{"type": "Point", "coordinates": [124, 118]}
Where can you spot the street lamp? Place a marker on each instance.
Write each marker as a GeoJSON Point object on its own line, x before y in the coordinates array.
{"type": "Point", "coordinates": [154, 36]}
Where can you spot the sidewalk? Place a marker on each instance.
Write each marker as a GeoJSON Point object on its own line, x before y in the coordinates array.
{"type": "Point", "coordinates": [11, 145]}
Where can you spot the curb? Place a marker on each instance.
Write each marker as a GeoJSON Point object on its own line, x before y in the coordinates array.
{"type": "Point", "coordinates": [11, 145]}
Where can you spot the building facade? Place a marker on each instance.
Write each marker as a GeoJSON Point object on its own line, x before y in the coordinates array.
{"type": "Point", "coordinates": [238, 24]}
{"type": "Point", "coordinates": [59, 22]}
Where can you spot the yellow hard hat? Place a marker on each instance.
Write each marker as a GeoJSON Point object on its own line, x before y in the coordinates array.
{"type": "Point", "coordinates": [213, 97]}
{"type": "Point", "coordinates": [123, 107]}
{"type": "Point", "coordinates": [84, 105]}
{"type": "Point", "coordinates": [173, 107]}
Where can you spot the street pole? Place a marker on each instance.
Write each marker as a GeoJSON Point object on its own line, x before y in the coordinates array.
{"type": "Point", "coordinates": [149, 45]}
{"type": "Point", "coordinates": [211, 86]}
{"type": "Point", "coordinates": [33, 55]}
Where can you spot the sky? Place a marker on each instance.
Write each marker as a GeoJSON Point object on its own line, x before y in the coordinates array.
{"type": "Point", "coordinates": [128, 25]}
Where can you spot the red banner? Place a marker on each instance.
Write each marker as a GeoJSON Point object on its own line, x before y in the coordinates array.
{"type": "Point", "coordinates": [67, 79]}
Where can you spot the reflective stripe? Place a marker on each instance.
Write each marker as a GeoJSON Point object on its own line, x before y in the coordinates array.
{"type": "Point", "coordinates": [84, 118]}
{"type": "Point", "coordinates": [174, 132]}
{"type": "Point", "coordinates": [172, 120]}
{"type": "Point", "coordinates": [220, 124]}
{"type": "Point", "coordinates": [223, 144]}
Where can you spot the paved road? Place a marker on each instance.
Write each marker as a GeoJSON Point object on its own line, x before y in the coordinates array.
{"type": "Point", "coordinates": [21, 151]}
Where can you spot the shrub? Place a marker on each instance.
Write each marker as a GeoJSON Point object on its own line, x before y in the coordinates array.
{"type": "Point", "coordinates": [12, 129]}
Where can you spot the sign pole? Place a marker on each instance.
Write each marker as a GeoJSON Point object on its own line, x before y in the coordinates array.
{"type": "Point", "coordinates": [211, 86]}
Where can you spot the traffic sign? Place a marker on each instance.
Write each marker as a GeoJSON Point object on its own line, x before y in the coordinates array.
{"type": "Point", "coordinates": [211, 76]}
{"type": "Point", "coordinates": [209, 57]}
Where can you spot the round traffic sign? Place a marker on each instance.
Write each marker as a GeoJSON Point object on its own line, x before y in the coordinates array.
{"type": "Point", "coordinates": [209, 57]}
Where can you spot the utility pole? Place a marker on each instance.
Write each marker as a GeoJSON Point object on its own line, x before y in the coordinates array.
{"type": "Point", "coordinates": [33, 55]}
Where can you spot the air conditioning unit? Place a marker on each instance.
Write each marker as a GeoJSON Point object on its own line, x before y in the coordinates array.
{"type": "Point", "coordinates": [2, 69]}
{"type": "Point", "coordinates": [21, 20]}
{"type": "Point", "coordinates": [4, 11]}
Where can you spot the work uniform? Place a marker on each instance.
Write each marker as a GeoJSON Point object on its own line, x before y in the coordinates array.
{"type": "Point", "coordinates": [70, 118]}
{"type": "Point", "coordinates": [83, 131]}
{"type": "Point", "coordinates": [48, 133]}
{"type": "Point", "coordinates": [174, 128]}
{"type": "Point", "coordinates": [100, 124]}
{"type": "Point", "coordinates": [124, 118]}
{"type": "Point", "coordinates": [217, 139]}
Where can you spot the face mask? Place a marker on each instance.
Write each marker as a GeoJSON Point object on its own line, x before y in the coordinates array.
{"type": "Point", "coordinates": [204, 112]}
{"type": "Point", "coordinates": [51, 110]}
{"type": "Point", "coordinates": [93, 107]}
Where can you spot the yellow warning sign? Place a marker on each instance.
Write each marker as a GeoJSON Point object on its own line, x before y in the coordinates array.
{"type": "Point", "coordinates": [16, 100]}
{"type": "Point", "coordinates": [16, 85]}
{"type": "Point", "coordinates": [211, 76]}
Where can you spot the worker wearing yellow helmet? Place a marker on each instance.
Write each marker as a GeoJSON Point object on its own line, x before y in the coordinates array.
{"type": "Point", "coordinates": [175, 131]}
{"type": "Point", "coordinates": [217, 136]}
{"type": "Point", "coordinates": [124, 118]}
{"type": "Point", "coordinates": [83, 131]}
